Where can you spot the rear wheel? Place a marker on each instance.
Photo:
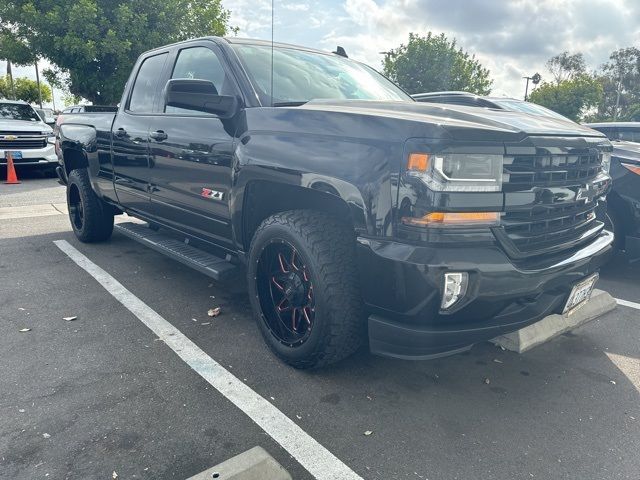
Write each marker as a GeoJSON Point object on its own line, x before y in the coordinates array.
{"type": "Point", "coordinates": [91, 219]}
{"type": "Point", "coordinates": [304, 289]}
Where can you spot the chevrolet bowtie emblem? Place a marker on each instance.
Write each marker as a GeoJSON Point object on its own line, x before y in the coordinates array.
{"type": "Point", "coordinates": [10, 137]}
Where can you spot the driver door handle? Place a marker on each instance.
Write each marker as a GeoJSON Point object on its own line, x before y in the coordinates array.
{"type": "Point", "coordinates": [158, 135]}
{"type": "Point", "coordinates": [120, 133]}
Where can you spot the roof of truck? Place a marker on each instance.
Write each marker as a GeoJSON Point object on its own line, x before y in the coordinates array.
{"type": "Point", "coordinates": [246, 41]}
{"type": "Point", "coordinates": [19, 102]}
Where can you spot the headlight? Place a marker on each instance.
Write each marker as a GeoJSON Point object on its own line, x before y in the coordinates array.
{"type": "Point", "coordinates": [605, 161]}
{"type": "Point", "coordinates": [457, 172]}
{"type": "Point", "coordinates": [51, 138]}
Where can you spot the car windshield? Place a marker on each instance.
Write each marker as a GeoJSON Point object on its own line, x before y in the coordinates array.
{"type": "Point", "coordinates": [18, 111]}
{"type": "Point", "coordinates": [528, 107]}
{"type": "Point", "coordinates": [300, 76]}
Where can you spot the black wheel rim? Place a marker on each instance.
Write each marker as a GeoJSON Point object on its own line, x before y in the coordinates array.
{"type": "Point", "coordinates": [285, 291]}
{"type": "Point", "coordinates": [76, 210]}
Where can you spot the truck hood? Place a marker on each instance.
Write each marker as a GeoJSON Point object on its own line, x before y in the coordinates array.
{"type": "Point", "coordinates": [17, 126]}
{"type": "Point", "coordinates": [452, 118]}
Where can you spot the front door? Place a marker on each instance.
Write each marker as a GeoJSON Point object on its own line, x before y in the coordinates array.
{"type": "Point", "coordinates": [191, 154]}
{"type": "Point", "coordinates": [130, 136]}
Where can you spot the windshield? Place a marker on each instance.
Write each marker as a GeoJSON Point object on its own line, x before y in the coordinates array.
{"type": "Point", "coordinates": [18, 111]}
{"type": "Point", "coordinates": [300, 76]}
{"type": "Point", "coordinates": [528, 107]}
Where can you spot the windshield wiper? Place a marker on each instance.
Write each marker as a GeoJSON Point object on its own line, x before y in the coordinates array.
{"type": "Point", "coordinates": [289, 104]}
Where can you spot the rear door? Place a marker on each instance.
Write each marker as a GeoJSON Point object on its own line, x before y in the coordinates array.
{"type": "Point", "coordinates": [130, 131]}
{"type": "Point", "coordinates": [191, 152]}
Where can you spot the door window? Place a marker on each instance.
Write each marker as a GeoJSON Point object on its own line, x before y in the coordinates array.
{"type": "Point", "coordinates": [200, 63]}
{"type": "Point", "coordinates": [629, 134]}
{"type": "Point", "coordinates": [145, 87]}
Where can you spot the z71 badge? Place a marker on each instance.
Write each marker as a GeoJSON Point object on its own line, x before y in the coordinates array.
{"type": "Point", "coordinates": [212, 194]}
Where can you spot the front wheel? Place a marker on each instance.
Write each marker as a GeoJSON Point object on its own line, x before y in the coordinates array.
{"type": "Point", "coordinates": [91, 219]}
{"type": "Point", "coordinates": [303, 287]}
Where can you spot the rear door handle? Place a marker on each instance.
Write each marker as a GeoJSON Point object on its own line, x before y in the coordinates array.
{"type": "Point", "coordinates": [120, 133]}
{"type": "Point", "coordinates": [158, 135]}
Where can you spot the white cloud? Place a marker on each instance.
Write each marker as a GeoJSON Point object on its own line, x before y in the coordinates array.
{"type": "Point", "coordinates": [511, 38]}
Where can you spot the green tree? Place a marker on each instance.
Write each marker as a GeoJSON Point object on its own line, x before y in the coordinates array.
{"type": "Point", "coordinates": [94, 43]}
{"type": "Point", "coordinates": [434, 63]}
{"type": "Point", "coordinates": [566, 66]}
{"type": "Point", "coordinates": [620, 79]}
{"type": "Point", "coordinates": [571, 98]}
{"type": "Point", "coordinates": [26, 89]}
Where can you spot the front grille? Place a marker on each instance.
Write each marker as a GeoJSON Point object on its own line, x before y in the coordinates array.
{"type": "Point", "coordinates": [547, 228]}
{"type": "Point", "coordinates": [561, 214]}
{"type": "Point", "coordinates": [36, 133]}
{"type": "Point", "coordinates": [23, 143]}
{"type": "Point", "coordinates": [526, 171]}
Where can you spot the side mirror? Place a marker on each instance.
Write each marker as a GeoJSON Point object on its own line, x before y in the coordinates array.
{"type": "Point", "coordinates": [199, 95]}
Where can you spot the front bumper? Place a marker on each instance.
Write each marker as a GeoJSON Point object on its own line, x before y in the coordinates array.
{"type": "Point", "coordinates": [36, 156]}
{"type": "Point", "coordinates": [402, 288]}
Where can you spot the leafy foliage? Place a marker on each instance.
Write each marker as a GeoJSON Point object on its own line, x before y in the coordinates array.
{"type": "Point", "coordinates": [571, 97]}
{"type": "Point", "coordinates": [25, 89]}
{"type": "Point", "coordinates": [620, 79]}
{"type": "Point", "coordinates": [433, 63]}
{"type": "Point", "coordinates": [94, 43]}
{"type": "Point", "coordinates": [565, 66]}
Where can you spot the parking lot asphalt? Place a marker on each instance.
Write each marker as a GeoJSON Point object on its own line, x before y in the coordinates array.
{"type": "Point", "coordinates": [82, 399]}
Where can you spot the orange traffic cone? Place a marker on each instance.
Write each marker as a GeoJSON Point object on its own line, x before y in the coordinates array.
{"type": "Point", "coordinates": [11, 169]}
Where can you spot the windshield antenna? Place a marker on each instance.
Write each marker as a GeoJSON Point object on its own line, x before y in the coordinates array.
{"type": "Point", "coordinates": [272, 52]}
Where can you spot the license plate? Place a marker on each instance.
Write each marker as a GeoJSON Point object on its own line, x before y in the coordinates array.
{"type": "Point", "coordinates": [14, 154]}
{"type": "Point", "coordinates": [580, 294]}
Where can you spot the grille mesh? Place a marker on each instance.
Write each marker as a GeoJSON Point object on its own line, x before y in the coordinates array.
{"type": "Point", "coordinates": [547, 225]}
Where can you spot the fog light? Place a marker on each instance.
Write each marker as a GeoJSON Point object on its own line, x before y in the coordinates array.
{"type": "Point", "coordinates": [455, 287]}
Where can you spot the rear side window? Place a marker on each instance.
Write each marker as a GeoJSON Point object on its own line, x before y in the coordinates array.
{"type": "Point", "coordinates": [629, 134]}
{"type": "Point", "coordinates": [609, 132]}
{"type": "Point", "coordinates": [202, 64]}
{"type": "Point", "coordinates": [145, 86]}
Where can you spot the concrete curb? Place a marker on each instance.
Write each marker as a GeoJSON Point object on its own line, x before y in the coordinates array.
{"type": "Point", "coordinates": [254, 464]}
{"type": "Point", "coordinates": [550, 327]}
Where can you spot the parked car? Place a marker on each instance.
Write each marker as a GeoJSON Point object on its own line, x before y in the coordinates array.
{"type": "Point", "coordinates": [624, 200]}
{"type": "Point", "coordinates": [23, 133]}
{"type": "Point", "coordinates": [47, 116]}
{"type": "Point", "coordinates": [620, 131]}
{"type": "Point", "coordinates": [499, 103]}
{"type": "Point", "coordinates": [89, 109]}
{"type": "Point", "coordinates": [354, 210]}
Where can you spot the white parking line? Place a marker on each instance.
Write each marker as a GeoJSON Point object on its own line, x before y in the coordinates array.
{"type": "Point", "coordinates": [319, 461]}
{"type": "Point", "coordinates": [627, 303]}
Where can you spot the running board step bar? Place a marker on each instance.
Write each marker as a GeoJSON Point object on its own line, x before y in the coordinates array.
{"type": "Point", "coordinates": [212, 266]}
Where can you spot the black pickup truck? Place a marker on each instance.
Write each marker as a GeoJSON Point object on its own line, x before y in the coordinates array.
{"type": "Point", "coordinates": [356, 212]}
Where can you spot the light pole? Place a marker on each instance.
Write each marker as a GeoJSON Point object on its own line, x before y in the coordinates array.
{"type": "Point", "coordinates": [535, 79]}
{"type": "Point", "coordinates": [38, 84]}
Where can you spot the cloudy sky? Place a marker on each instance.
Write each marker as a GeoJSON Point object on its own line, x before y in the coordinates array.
{"type": "Point", "coordinates": [512, 38]}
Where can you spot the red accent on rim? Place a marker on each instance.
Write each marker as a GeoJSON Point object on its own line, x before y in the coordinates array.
{"type": "Point", "coordinates": [275, 282]}
{"type": "Point", "coordinates": [282, 263]}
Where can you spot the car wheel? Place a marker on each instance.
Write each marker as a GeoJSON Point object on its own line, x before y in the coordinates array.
{"type": "Point", "coordinates": [303, 287]}
{"type": "Point", "coordinates": [91, 219]}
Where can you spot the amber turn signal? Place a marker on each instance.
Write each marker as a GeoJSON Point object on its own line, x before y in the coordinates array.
{"type": "Point", "coordinates": [418, 162]}
{"type": "Point", "coordinates": [454, 218]}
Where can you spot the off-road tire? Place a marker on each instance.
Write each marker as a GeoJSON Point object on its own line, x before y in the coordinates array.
{"type": "Point", "coordinates": [327, 248]}
{"type": "Point", "coordinates": [96, 224]}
